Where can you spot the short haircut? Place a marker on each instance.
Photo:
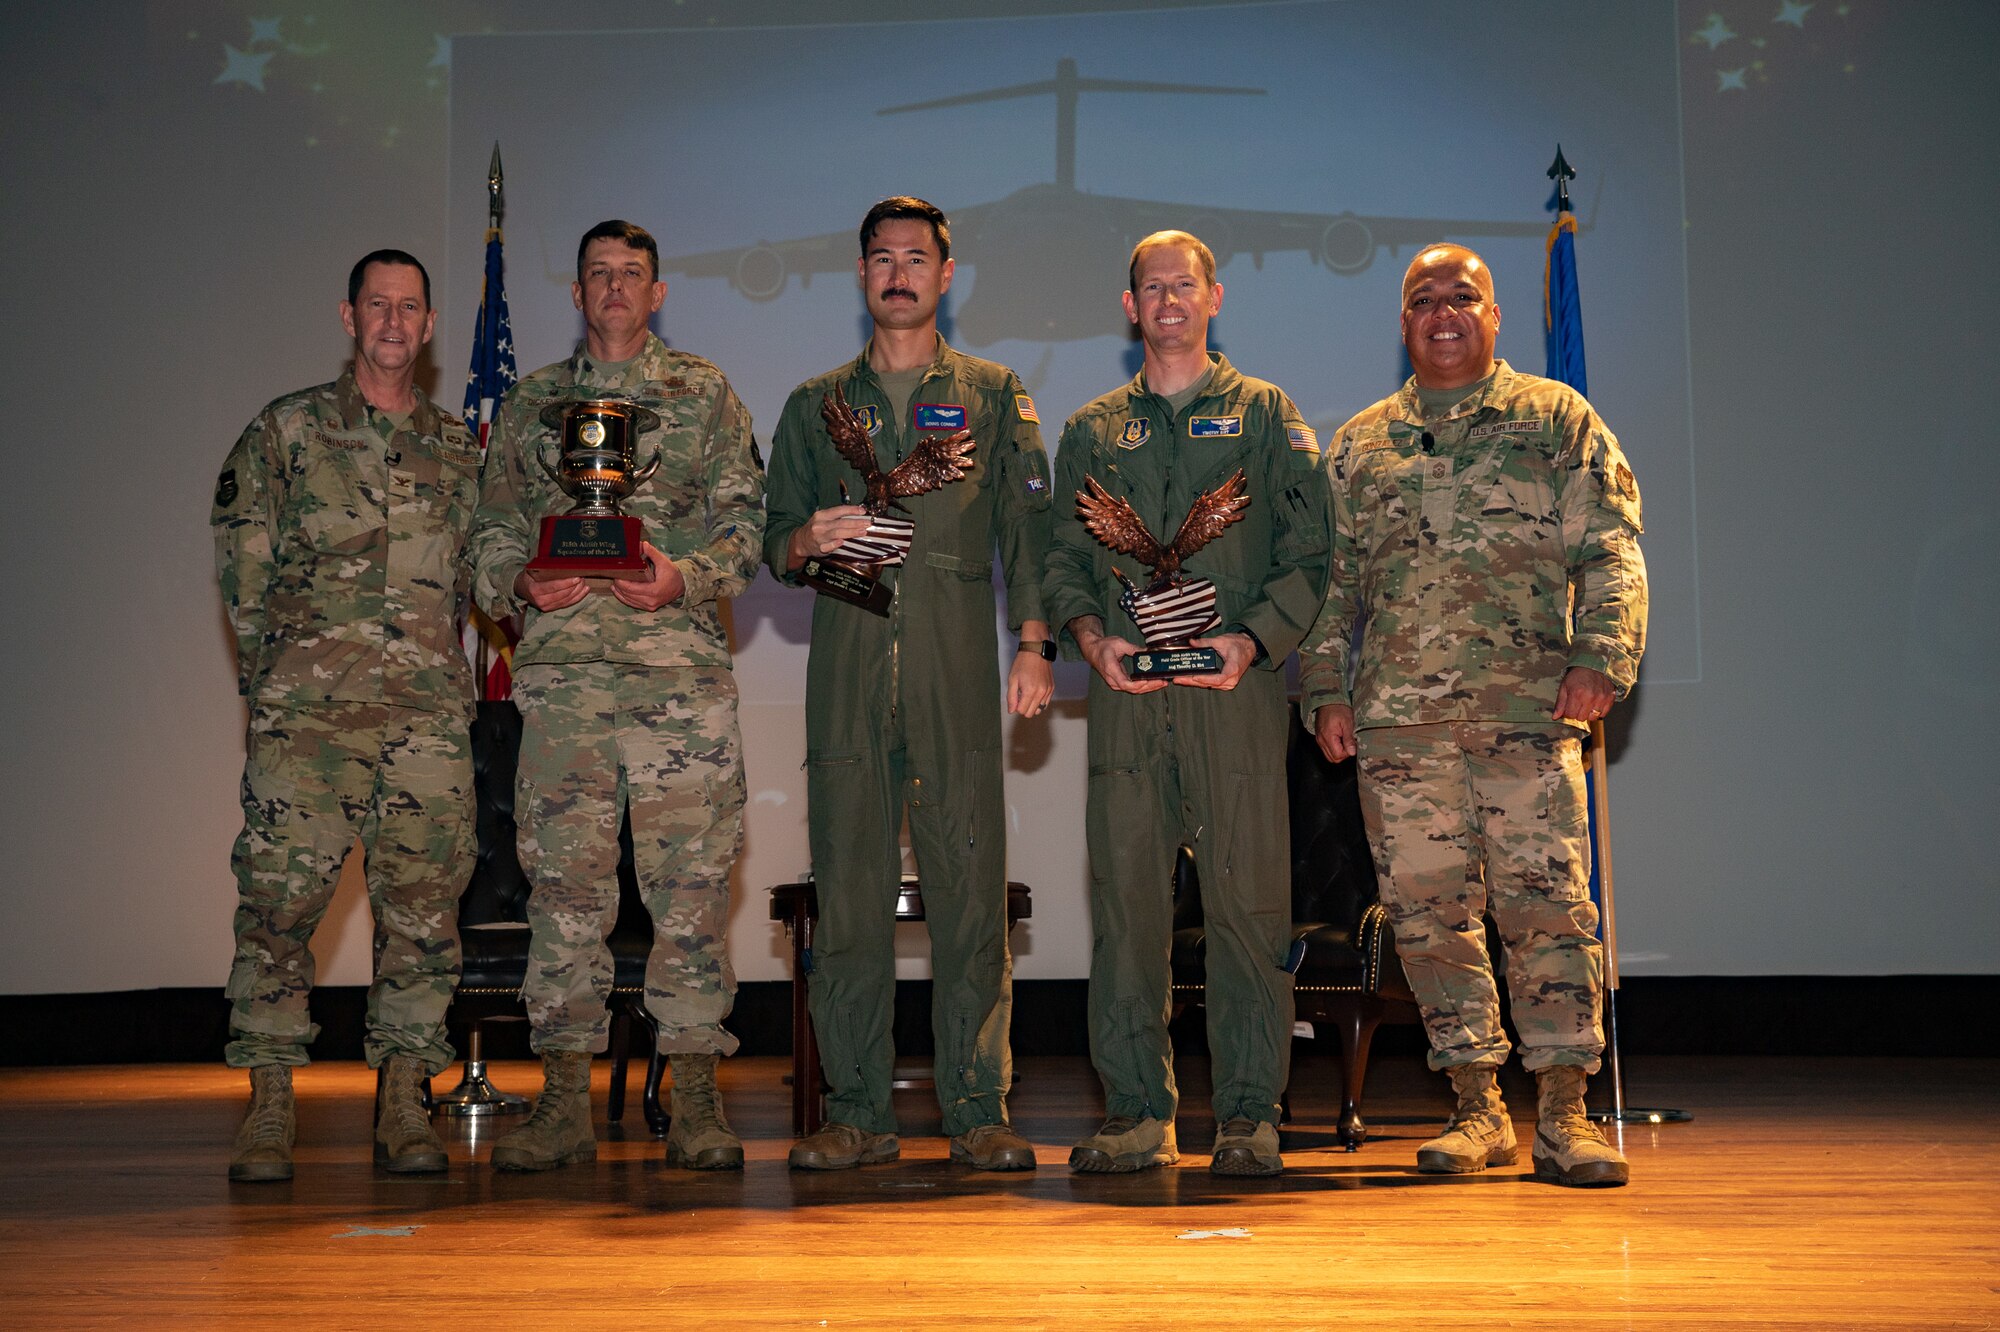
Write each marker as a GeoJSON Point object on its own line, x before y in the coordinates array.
{"type": "Point", "coordinates": [917, 210]}
{"type": "Point", "coordinates": [1463, 253]}
{"type": "Point", "coordinates": [629, 234]}
{"type": "Point", "coordinates": [1160, 239]}
{"type": "Point", "coordinates": [403, 257]}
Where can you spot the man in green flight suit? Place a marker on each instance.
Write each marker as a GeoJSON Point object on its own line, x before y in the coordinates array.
{"type": "Point", "coordinates": [628, 710]}
{"type": "Point", "coordinates": [340, 524]}
{"type": "Point", "coordinates": [900, 707]}
{"type": "Point", "coordinates": [1486, 543]}
{"type": "Point", "coordinates": [1199, 761]}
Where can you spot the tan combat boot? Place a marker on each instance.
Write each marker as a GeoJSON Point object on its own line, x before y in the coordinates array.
{"type": "Point", "coordinates": [1123, 1144]}
{"type": "Point", "coordinates": [1479, 1134]}
{"type": "Point", "coordinates": [263, 1147]}
{"type": "Point", "coordinates": [559, 1132]}
{"type": "Point", "coordinates": [404, 1141]}
{"type": "Point", "coordinates": [1246, 1147]}
{"type": "Point", "coordinates": [842, 1147]}
{"type": "Point", "coordinates": [699, 1137]}
{"type": "Point", "coordinates": [1568, 1147]}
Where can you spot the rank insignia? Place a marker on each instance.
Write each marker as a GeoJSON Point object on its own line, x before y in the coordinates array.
{"type": "Point", "coordinates": [937, 416]}
{"type": "Point", "coordinates": [1025, 405]}
{"type": "Point", "coordinates": [871, 420]}
{"type": "Point", "coordinates": [1137, 430]}
{"type": "Point", "coordinates": [1214, 427]}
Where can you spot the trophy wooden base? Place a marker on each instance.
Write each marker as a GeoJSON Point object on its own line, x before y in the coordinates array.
{"type": "Point", "coordinates": [576, 546]}
{"type": "Point", "coordinates": [1165, 663]}
{"type": "Point", "coordinates": [856, 586]}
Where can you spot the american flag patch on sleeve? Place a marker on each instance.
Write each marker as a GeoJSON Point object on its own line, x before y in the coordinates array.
{"type": "Point", "coordinates": [1025, 405]}
{"type": "Point", "coordinates": [1303, 439]}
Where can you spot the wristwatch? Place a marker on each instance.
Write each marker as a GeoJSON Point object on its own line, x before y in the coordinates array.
{"type": "Point", "coordinates": [1045, 648]}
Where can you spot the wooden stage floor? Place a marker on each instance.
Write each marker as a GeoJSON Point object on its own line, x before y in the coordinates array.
{"type": "Point", "coordinates": [1806, 1194]}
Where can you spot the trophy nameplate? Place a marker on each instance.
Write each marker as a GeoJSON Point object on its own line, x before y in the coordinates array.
{"type": "Point", "coordinates": [1174, 608]}
{"type": "Point", "coordinates": [598, 446]}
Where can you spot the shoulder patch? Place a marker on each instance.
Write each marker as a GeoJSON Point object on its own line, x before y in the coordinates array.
{"type": "Point", "coordinates": [1214, 427]}
{"type": "Point", "coordinates": [1137, 430]}
{"type": "Point", "coordinates": [1303, 439]}
{"type": "Point", "coordinates": [1025, 405]}
{"type": "Point", "coordinates": [225, 488]}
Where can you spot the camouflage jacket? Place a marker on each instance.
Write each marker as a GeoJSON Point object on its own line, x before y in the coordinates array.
{"type": "Point", "coordinates": [340, 547]}
{"type": "Point", "coordinates": [1474, 569]}
{"type": "Point", "coordinates": [703, 509]}
{"type": "Point", "coordinates": [1268, 569]}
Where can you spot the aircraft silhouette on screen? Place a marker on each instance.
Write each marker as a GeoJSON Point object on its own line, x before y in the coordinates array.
{"type": "Point", "coordinates": [1043, 242]}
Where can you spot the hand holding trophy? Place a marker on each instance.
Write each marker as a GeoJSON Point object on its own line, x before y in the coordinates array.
{"type": "Point", "coordinates": [599, 442]}
{"type": "Point", "coordinates": [1173, 608]}
{"type": "Point", "coordinates": [852, 570]}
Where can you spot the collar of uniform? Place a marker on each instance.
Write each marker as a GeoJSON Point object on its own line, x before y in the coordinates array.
{"type": "Point", "coordinates": [861, 371]}
{"type": "Point", "coordinates": [1222, 380]}
{"type": "Point", "coordinates": [649, 365]}
{"type": "Point", "coordinates": [354, 409]}
{"type": "Point", "coordinates": [347, 396]}
{"type": "Point", "coordinates": [1410, 410]}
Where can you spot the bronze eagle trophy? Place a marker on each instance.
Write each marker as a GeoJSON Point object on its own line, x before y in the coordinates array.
{"type": "Point", "coordinates": [852, 571]}
{"type": "Point", "coordinates": [1173, 608]}
{"type": "Point", "coordinates": [937, 460]}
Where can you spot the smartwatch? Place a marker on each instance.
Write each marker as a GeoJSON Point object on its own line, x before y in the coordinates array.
{"type": "Point", "coordinates": [1045, 648]}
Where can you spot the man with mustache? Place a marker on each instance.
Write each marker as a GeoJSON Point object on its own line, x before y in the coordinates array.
{"type": "Point", "coordinates": [1200, 761]}
{"type": "Point", "coordinates": [340, 526]}
{"type": "Point", "coordinates": [1487, 546]}
{"type": "Point", "coordinates": [628, 708]}
{"type": "Point", "coordinates": [902, 709]}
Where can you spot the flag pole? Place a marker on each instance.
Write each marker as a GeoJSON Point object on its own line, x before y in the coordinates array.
{"type": "Point", "coordinates": [1564, 323]}
{"type": "Point", "coordinates": [491, 374]}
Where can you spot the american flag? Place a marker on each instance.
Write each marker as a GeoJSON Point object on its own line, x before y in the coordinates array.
{"type": "Point", "coordinates": [1175, 613]}
{"type": "Point", "coordinates": [887, 541]}
{"type": "Point", "coordinates": [490, 644]}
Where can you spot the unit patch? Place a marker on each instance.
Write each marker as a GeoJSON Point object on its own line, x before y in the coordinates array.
{"type": "Point", "coordinates": [937, 416]}
{"type": "Point", "coordinates": [1137, 430]}
{"type": "Point", "coordinates": [1025, 405]}
{"type": "Point", "coordinates": [1303, 439]}
{"type": "Point", "coordinates": [1505, 428]}
{"type": "Point", "coordinates": [225, 489]}
{"type": "Point", "coordinates": [870, 418]}
{"type": "Point", "coordinates": [1214, 427]}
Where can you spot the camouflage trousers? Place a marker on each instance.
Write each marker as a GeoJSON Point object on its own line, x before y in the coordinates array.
{"type": "Point", "coordinates": [601, 741]}
{"type": "Point", "coordinates": [317, 778]}
{"type": "Point", "coordinates": [1463, 815]}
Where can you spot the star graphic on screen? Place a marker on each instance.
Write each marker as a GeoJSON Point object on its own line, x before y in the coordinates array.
{"type": "Point", "coordinates": [1716, 33]}
{"type": "Point", "coordinates": [265, 30]}
{"type": "Point", "coordinates": [440, 57]}
{"type": "Point", "coordinates": [1731, 80]}
{"type": "Point", "coordinates": [243, 66]}
{"type": "Point", "coordinates": [1790, 11]}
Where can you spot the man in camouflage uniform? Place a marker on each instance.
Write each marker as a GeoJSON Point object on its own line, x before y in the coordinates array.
{"type": "Point", "coordinates": [899, 708]}
{"type": "Point", "coordinates": [1486, 553]}
{"type": "Point", "coordinates": [628, 710]}
{"type": "Point", "coordinates": [340, 522]}
{"type": "Point", "coordinates": [1200, 761]}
